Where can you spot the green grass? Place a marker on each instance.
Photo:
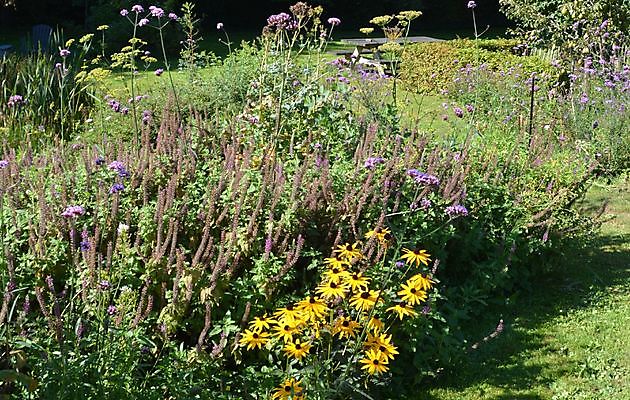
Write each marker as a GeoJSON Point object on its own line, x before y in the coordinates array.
{"type": "Point", "coordinates": [568, 337]}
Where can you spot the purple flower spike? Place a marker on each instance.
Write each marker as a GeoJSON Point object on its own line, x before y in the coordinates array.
{"type": "Point", "coordinates": [73, 211]}
{"type": "Point", "coordinates": [334, 21]}
{"type": "Point", "coordinates": [456, 211]}
{"type": "Point", "coordinates": [423, 178]}
{"type": "Point", "coordinates": [471, 4]}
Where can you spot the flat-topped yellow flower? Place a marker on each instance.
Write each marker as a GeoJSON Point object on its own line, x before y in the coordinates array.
{"type": "Point", "coordinates": [374, 362]}
{"type": "Point", "coordinates": [261, 323]}
{"type": "Point", "coordinates": [297, 350]}
{"type": "Point", "coordinates": [253, 339]}
{"type": "Point", "coordinates": [348, 251]}
{"type": "Point", "coordinates": [285, 332]}
{"type": "Point", "coordinates": [313, 308]}
{"type": "Point", "coordinates": [357, 281]}
{"type": "Point", "coordinates": [412, 294]}
{"type": "Point", "coordinates": [402, 309]}
{"type": "Point", "coordinates": [289, 388]}
{"type": "Point", "coordinates": [416, 256]}
{"type": "Point", "coordinates": [336, 274]}
{"type": "Point", "coordinates": [364, 300]}
{"type": "Point", "coordinates": [336, 262]}
{"type": "Point", "coordinates": [421, 281]}
{"type": "Point", "coordinates": [331, 289]}
{"type": "Point", "coordinates": [345, 327]}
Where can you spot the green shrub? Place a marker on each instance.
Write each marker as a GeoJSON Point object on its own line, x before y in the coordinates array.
{"type": "Point", "coordinates": [431, 67]}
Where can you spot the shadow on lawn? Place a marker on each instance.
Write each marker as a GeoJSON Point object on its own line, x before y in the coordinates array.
{"type": "Point", "coordinates": [504, 368]}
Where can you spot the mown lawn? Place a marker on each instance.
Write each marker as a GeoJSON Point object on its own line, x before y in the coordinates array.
{"type": "Point", "coordinates": [568, 337]}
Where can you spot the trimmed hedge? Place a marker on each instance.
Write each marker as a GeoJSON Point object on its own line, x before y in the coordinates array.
{"type": "Point", "coordinates": [430, 67]}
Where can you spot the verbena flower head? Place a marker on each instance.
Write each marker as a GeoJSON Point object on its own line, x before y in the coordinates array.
{"type": "Point", "coordinates": [459, 113]}
{"type": "Point", "coordinates": [456, 211]}
{"type": "Point", "coordinates": [137, 8]}
{"type": "Point", "coordinates": [173, 16]}
{"type": "Point", "coordinates": [64, 53]}
{"type": "Point", "coordinates": [472, 4]}
{"type": "Point", "coordinates": [15, 100]}
{"type": "Point", "coordinates": [143, 22]}
{"type": "Point", "coordinates": [423, 178]}
{"type": "Point", "coordinates": [334, 21]}
{"type": "Point", "coordinates": [111, 310]}
{"type": "Point", "coordinates": [372, 162]}
{"type": "Point", "coordinates": [4, 164]}
{"type": "Point", "coordinates": [116, 187]}
{"type": "Point", "coordinates": [124, 12]}
{"type": "Point", "coordinates": [156, 11]}
{"type": "Point", "coordinates": [159, 72]}
{"type": "Point", "coordinates": [219, 26]}
{"type": "Point", "coordinates": [280, 21]}
{"type": "Point", "coordinates": [73, 211]}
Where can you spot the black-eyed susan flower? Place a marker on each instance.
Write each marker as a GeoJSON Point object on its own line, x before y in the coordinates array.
{"type": "Point", "coordinates": [412, 294]}
{"type": "Point", "coordinates": [345, 327]}
{"type": "Point", "coordinates": [285, 332]}
{"type": "Point", "coordinates": [375, 323]}
{"type": "Point", "coordinates": [374, 362]}
{"type": "Point", "coordinates": [357, 281]}
{"type": "Point", "coordinates": [402, 309]}
{"type": "Point", "coordinates": [336, 274]}
{"type": "Point", "coordinates": [422, 281]}
{"type": "Point", "coordinates": [336, 262]}
{"type": "Point", "coordinates": [348, 251]}
{"type": "Point", "coordinates": [254, 339]}
{"type": "Point", "coordinates": [383, 235]}
{"type": "Point", "coordinates": [383, 343]}
{"type": "Point", "coordinates": [289, 388]}
{"type": "Point", "coordinates": [297, 350]}
{"type": "Point", "coordinates": [364, 300]}
{"type": "Point", "coordinates": [261, 323]}
{"type": "Point", "coordinates": [313, 308]}
{"type": "Point", "coordinates": [416, 256]}
{"type": "Point", "coordinates": [288, 315]}
{"type": "Point", "coordinates": [331, 289]}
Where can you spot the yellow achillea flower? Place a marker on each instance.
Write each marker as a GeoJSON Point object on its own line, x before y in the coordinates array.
{"type": "Point", "coordinates": [382, 343]}
{"type": "Point", "coordinates": [357, 281]}
{"type": "Point", "coordinates": [375, 323]}
{"type": "Point", "coordinates": [288, 315]}
{"type": "Point", "coordinates": [313, 308]}
{"type": "Point", "coordinates": [335, 262]}
{"type": "Point", "coordinates": [416, 256]}
{"type": "Point", "coordinates": [285, 332]}
{"type": "Point", "coordinates": [365, 300]}
{"type": "Point", "coordinates": [254, 339]}
{"type": "Point", "coordinates": [297, 350]}
{"type": "Point", "coordinates": [421, 281]}
{"type": "Point", "coordinates": [402, 309]}
{"type": "Point", "coordinates": [336, 274]}
{"type": "Point", "coordinates": [375, 362]}
{"type": "Point", "coordinates": [261, 323]}
{"type": "Point", "coordinates": [412, 294]}
{"type": "Point", "coordinates": [348, 251]}
{"type": "Point", "coordinates": [345, 327]}
{"type": "Point", "coordinates": [383, 235]}
{"type": "Point", "coordinates": [289, 388]}
{"type": "Point", "coordinates": [332, 289]}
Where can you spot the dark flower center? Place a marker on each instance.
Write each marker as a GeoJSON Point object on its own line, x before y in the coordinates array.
{"type": "Point", "coordinates": [287, 328]}
{"type": "Point", "coordinates": [376, 316]}
{"type": "Point", "coordinates": [382, 349]}
{"type": "Point", "coordinates": [375, 362]}
{"type": "Point", "coordinates": [255, 336]}
{"type": "Point", "coordinates": [312, 300]}
{"type": "Point", "coordinates": [333, 285]}
{"type": "Point", "coordinates": [403, 304]}
{"type": "Point", "coordinates": [289, 308]}
{"type": "Point", "coordinates": [348, 247]}
{"type": "Point", "coordinates": [365, 295]}
{"type": "Point", "coordinates": [345, 324]}
{"type": "Point", "coordinates": [297, 346]}
{"type": "Point", "coordinates": [355, 277]}
{"type": "Point", "coordinates": [387, 236]}
{"type": "Point", "coordinates": [287, 389]}
{"type": "Point", "coordinates": [335, 271]}
{"type": "Point", "coordinates": [413, 290]}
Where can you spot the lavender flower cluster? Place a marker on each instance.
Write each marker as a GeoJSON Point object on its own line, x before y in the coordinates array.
{"type": "Point", "coordinates": [73, 212]}
{"type": "Point", "coordinates": [282, 21]}
{"type": "Point", "coordinates": [455, 211]}
{"type": "Point", "coordinates": [423, 178]}
{"type": "Point", "coordinates": [16, 100]}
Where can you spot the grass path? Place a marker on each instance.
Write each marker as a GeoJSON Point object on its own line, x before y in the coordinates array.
{"type": "Point", "coordinates": [569, 338]}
